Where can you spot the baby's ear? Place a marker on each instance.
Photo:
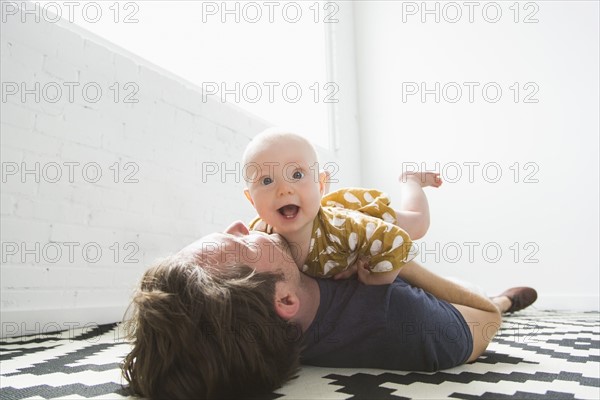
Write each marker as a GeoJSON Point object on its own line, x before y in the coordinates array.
{"type": "Point", "coordinates": [247, 194]}
{"type": "Point", "coordinates": [324, 177]}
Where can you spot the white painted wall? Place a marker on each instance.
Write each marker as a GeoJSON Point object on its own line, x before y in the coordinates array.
{"type": "Point", "coordinates": [176, 153]}
{"type": "Point", "coordinates": [177, 157]}
{"type": "Point", "coordinates": [554, 220]}
{"type": "Point", "coordinates": [157, 203]}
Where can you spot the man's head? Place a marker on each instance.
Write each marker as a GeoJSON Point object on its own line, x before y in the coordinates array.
{"type": "Point", "coordinates": [208, 326]}
{"type": "Point", "coordinates": [283, 180]}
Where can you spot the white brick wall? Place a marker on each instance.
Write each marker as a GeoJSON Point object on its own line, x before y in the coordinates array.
{"type": "Point", "coordinates": [159, 143]}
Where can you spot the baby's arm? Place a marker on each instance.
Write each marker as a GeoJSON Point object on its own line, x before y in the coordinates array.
{"type": "Point", "coordinates": [412, 214]}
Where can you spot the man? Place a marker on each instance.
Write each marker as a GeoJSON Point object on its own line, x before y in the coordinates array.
{"type": "Point", "coordinates": [230, 315]}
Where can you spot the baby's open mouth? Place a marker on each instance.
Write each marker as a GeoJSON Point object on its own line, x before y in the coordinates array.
{"type": "Point", "coordinates": [289, 211]}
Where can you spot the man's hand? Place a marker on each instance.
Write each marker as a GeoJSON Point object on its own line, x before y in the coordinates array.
{"type": "Point", "coordinates": [365, 276]}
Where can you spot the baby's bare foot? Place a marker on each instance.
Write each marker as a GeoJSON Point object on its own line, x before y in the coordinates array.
{"type": "Point", "coordinates": [423, 178]}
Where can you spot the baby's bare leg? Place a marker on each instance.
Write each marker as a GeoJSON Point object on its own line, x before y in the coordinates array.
{"type": "Point", "coordinates": [412, 212]}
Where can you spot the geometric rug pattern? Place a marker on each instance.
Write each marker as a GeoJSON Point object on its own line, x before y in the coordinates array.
{"type": "Point", "coordinates": [536, 355]}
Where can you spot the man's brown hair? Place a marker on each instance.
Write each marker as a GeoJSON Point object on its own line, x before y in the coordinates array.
{"type": "Point", "coordinates": [205, 333]}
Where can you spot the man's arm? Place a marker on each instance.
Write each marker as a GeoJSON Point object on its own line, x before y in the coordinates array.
{"type": "Point", "coordinates": [444, 289]}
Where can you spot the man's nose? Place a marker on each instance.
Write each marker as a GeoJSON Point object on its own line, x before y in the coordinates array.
{"type": "Point", "coordinates": [238, 229]}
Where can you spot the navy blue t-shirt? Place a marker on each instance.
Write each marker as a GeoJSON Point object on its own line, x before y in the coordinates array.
{"type": "Point", "coordinates": [393, 326]}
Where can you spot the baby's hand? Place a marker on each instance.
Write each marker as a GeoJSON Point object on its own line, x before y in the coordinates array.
{"type": "Point", "coordinates": [262, 226]}
{"type": "Point", "coordinates": [326, 183]}
{"type": "Point", "coordinates": [359, 266]}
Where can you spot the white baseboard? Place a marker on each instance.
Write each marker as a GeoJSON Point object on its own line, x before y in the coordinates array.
{"type": "Point", "coordinates": [568, 302]}
{"type": "Point", "coordinates": [44, 321]}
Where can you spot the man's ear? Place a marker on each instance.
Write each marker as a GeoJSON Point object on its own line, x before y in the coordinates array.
{"type": "Point", "coordinates": [324, 177]}
{"type": "Point", "coordinates": [287, 304]}
{"type": "Point", "coordinates": [247, 194]}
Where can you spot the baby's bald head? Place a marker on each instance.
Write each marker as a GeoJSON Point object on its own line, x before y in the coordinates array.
{"type": "Point", "coordinates": [275, 140]}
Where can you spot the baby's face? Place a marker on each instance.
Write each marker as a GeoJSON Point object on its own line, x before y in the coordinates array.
{"type": "Point", "coordinates": [283, 183]}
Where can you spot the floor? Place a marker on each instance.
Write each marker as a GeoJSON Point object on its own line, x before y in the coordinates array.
{"type": "Point", "coordinates": [536, 355]}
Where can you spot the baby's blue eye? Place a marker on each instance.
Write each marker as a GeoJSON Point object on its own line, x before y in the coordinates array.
{"type": "Point", "coordinates": [267, 181]}
{"type": "Point", "coordinates": [298, 175]}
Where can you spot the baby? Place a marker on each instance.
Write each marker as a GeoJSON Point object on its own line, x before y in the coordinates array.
{"type": "Point", "coordinates": [331, 233]}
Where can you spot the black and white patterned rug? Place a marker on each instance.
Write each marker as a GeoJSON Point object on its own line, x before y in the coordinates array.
{"type": "Point", "coordinates": [536, 355]}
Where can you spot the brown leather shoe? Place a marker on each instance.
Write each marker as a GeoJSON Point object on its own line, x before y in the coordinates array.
{"type": "Point", "coordinates": [520, 298]}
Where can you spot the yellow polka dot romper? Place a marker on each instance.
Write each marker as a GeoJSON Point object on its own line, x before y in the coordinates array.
{"type": "Point", "coordinates": [356, 222]}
